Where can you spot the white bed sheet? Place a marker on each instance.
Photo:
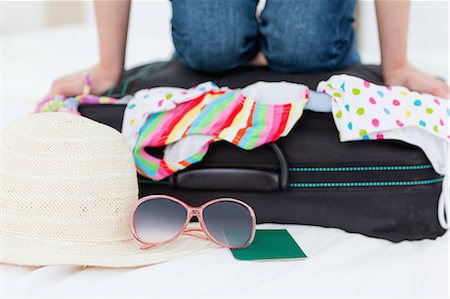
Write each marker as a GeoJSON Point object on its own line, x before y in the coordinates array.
{"type": "Point", "coordinates": [339, 264]}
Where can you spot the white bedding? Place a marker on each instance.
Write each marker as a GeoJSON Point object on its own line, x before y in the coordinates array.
{"type": "Point", "coordinates": [339, 264]}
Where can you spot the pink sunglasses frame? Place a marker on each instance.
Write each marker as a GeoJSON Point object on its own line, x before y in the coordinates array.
{"type": "Point", "coordinates": [193, 212]}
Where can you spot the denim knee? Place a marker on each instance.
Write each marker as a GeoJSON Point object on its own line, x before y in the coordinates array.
{"type": "Point", "coordinates": [214, 35]}
{"type": "Point", "coordinates": [310, 54]}
{"type": "Point", "coordinates": [312, 35]}
{"type": "Point", "coordinates": [215, 56]}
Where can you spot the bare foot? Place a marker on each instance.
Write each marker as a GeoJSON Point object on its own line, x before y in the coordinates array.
{"type": "Point", "coordinates": [259, 60]}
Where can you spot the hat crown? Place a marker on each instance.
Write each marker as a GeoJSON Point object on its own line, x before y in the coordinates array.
{"type": "Point", "coordinates": [66, 177]}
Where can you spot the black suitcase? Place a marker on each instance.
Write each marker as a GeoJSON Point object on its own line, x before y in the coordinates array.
{"type": "Point", "coordinates": [386, 189]}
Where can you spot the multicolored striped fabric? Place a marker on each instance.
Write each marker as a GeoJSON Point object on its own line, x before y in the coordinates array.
{"type": "Point", "coordinates": [189, 128]}
{"type": "Point", "coordinates": [60, 103]}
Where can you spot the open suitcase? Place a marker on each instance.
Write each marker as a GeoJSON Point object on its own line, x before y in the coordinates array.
{"type": "Point", "coordinates": [386, 189]}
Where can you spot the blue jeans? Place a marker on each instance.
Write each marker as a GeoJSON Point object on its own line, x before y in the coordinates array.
{"type": "Point", "coordinates": [294, 35]}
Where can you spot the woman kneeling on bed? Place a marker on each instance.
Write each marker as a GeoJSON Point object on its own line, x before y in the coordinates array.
{"type": "Point", "coordinates": [293, 36]}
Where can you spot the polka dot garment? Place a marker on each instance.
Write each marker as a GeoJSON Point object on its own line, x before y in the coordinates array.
{"type": "Point", "coordinates": [363, 110]}
{"type": "Point", "coordinates": [375, 108]}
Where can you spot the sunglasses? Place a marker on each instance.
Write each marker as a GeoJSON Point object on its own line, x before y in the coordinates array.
{"type": "Point", "coordinates": [159, 219]}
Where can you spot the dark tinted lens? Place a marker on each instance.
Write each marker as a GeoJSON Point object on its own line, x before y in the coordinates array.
{"type": "Point", "coordinates": [228, 222]}
{"type": "Point", "coordinates": [159, 219]}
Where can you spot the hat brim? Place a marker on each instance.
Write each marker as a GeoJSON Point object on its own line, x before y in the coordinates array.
{"type": "Point", "coordinates": [38, 251]}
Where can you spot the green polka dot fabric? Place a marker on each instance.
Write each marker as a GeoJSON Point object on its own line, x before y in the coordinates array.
{"type": "Point", "coordinates": [362, 106]}
{"type": "Point", "coordinates": [363, 110]}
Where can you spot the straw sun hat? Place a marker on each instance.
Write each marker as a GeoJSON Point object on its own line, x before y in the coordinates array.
{"type": "Point", "coordinates": [68, 185]}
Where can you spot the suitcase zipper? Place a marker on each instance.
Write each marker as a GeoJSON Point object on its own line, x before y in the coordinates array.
{"type": "Point", "coordinates": [366, 184]}
{"type": "Point", "coordinates": [346, 184]}
{"type": "Point", "coordinates": [361, 168]}
{"type": "Point", "coordinates": [374, 183]}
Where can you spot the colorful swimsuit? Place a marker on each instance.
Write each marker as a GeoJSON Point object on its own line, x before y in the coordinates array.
{"type": "Point", "coordinates": [201, 115]}
{"type": "Point", "coordinates": [363, 110]}
{"type": "Point", "coordinates": [60, 103]}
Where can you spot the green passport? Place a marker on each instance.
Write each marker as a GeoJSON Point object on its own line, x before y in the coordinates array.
{"type": "Point", "coordinates": [270, 244]}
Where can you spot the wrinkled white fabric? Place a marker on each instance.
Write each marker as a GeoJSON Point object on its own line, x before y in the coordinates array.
{"type": "Point", "coordinates": [339, 265]}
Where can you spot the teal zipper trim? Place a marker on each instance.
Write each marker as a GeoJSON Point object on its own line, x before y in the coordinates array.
{"type": "Point", "coordinates": [145, 181]}
{"type": "Point", "coordinates": [366, 184]}
{"type": "Point", "coordinates": [361, 168]}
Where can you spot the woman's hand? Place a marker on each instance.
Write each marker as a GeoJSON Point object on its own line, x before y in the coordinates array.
{"type": "Point", "coordinates": [102, 79]}
{"type": "Point", "coordinates": [112, 25]}
{"type": "Point", "coordinates": [416, 80]}
{"type": "Point", "coordinates": [392, 17]}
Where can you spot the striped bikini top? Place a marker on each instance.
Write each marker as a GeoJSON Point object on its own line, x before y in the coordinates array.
{"type": "Point", "coordinates": [186, 121]}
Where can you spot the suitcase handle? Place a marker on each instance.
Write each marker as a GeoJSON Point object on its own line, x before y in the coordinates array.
{"type": "Point", "coordinates": [235, 179]}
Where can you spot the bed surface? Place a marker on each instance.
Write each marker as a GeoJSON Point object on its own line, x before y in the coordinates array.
{"type": "Point", "coordinates": [339, 264]}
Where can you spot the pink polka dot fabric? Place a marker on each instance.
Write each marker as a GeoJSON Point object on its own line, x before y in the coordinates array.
{"type": "Point", "coordinates": [373, 109]}
{"type": "Point", "coordinates": [363, 110]}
